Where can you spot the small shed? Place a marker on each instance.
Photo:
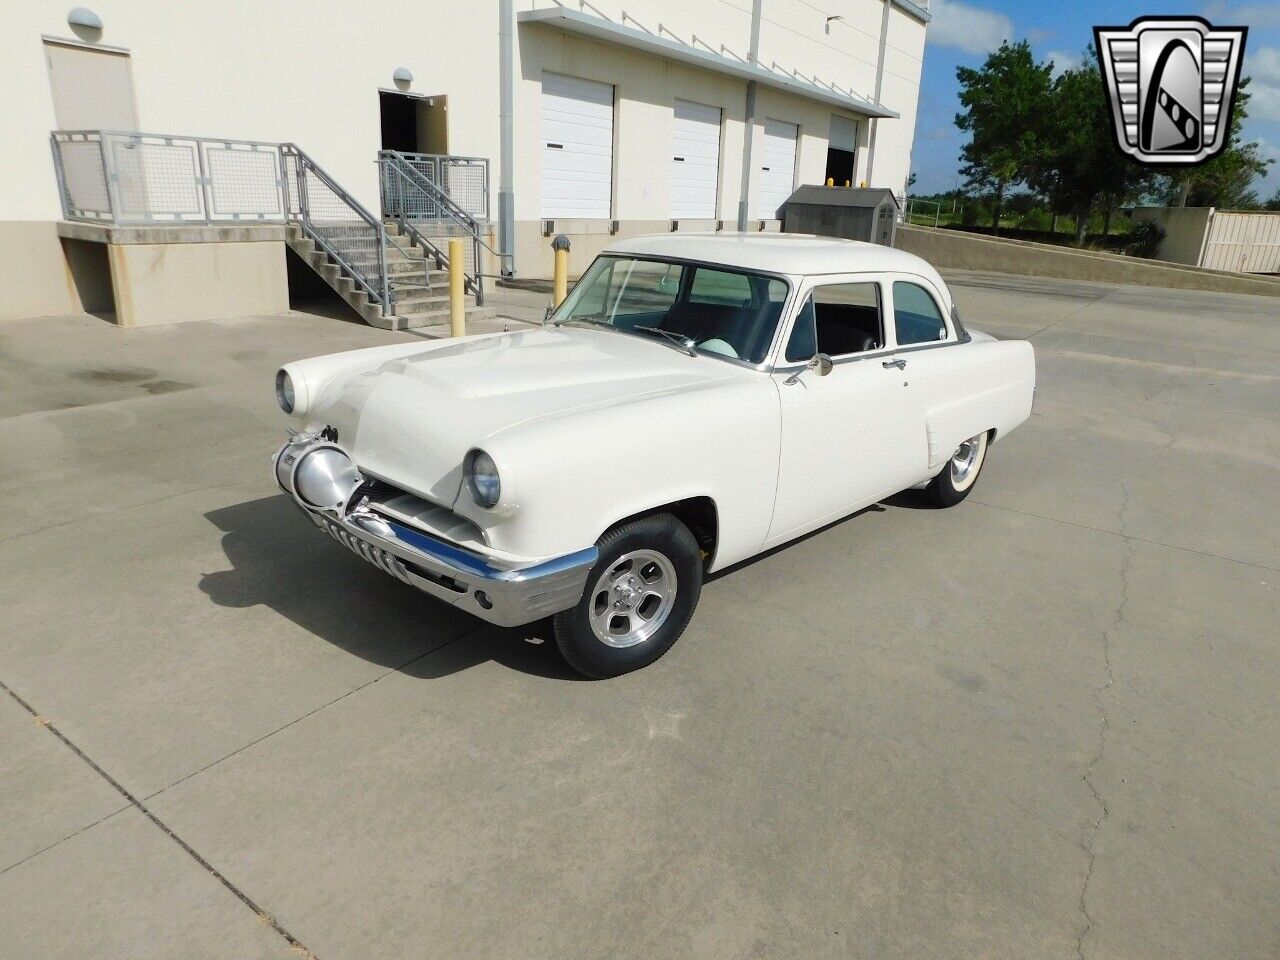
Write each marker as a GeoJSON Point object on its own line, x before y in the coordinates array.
{"type": "Point", "coordinates": [855, 213]}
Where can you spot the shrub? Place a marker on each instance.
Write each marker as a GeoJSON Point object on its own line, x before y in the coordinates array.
{"type": "Point", "coordinates": [1144, 238]}
{"type": "Point", "coordinates": [1037, 218]}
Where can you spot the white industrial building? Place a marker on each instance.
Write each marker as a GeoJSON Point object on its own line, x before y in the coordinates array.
{"type": "Point", "coordinates": [534, 117]}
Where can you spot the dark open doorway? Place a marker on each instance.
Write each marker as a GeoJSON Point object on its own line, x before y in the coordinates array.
{"type": "Point", "coordinates": [413, 124]}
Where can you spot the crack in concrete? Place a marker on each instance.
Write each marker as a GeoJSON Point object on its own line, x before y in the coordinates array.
{"type": "Point", "coordinates": [1099, 698]}
{"type": "Point", "coordinates": [263, 917]}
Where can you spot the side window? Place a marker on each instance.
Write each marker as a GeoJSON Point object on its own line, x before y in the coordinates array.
{"type": "Point", "coordinates": [838, 319]}
{"type": "Point", "coordinates": [916, 317]}
{"type": "Point", "coordinates": [645, 289]}
{"type": "Point", "coordinates": [803, 343]}
{"type": "Point", "coordinates": [720, 287]}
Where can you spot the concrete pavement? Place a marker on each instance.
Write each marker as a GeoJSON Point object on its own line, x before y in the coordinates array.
{"type": "Point", "coordinates": [1042, 724]}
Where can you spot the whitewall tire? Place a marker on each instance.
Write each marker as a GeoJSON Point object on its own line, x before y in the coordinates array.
{"type": "Point", "coordinates": [960, 473]}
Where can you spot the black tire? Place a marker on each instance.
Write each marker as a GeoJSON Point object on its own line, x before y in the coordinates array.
{"type": "Point", "coordinates": [947, 489]}
{"type": "Point", "coordinates": [662, 535]}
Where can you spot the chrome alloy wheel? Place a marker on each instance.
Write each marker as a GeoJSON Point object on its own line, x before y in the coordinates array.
{"type": "Point", "coordinates": [967, 459]}
{"type": "Point", "coordinates": [633, 598]}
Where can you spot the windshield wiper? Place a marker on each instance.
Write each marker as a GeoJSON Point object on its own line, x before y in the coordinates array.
{"type": "Point", "coordinates": [594, 321]}
{"type": "Point", "coordinates": [685, 343]}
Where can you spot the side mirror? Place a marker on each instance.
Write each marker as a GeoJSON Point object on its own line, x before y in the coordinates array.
{"type": "Point", "coordinates": [546, 317]}
{"type": "Point", "coordinates": [821, 364]}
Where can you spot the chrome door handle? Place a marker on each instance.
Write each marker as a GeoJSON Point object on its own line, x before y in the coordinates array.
{"type": "Point", "coordinates": [898, 362]}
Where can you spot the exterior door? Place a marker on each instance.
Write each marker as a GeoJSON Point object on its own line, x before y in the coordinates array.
{"type": "Point", "coordinates": [695, 161]}
{"type": "Point", "coordinates": [777, 168]}
{"type": "Point", "coordinates": [849, 438]}
{"type": "Point", "coordinates": [577, 148]}
{"type": "Point", "coordinates": [92, 88]}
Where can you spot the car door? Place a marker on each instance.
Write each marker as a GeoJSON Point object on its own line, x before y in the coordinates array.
{"type": "Point", "coordinates": [927, 343]}
{"type": "Point", "coordinates": [847, 438]}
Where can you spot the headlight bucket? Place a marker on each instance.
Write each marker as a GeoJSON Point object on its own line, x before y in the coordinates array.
{"type": "Point", "coordinates": [482, 479]}
{"type": "Point", "coordinates": [291, 390]}
{"type": "Point", "coordinates": [323, 477]}
{"type": "Point", "coordinates": [284, 391]}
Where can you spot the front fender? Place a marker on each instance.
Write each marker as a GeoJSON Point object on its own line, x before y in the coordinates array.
{"type": "Point", "coordinates": [576, 476]}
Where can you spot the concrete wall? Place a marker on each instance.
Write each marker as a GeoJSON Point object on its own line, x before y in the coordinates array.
{"type": "Point", "coordinates": [956, 250]}
{"type": "Point", "coordinates": [1184, 231]}
{"type": "Point", "coordinates": [33, 272]}
{"type": "Point", "coordinates": [168, 282]}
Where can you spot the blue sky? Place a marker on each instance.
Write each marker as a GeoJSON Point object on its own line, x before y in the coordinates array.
{"type": "Point", "coordinates": [963, 31]}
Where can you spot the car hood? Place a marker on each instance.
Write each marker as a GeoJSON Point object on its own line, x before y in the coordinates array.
{"type": "Point", "coordinates": [412, 419]}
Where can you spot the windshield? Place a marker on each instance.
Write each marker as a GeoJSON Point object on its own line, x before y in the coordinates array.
{"type": "Point", "coordinates": [711, 309]}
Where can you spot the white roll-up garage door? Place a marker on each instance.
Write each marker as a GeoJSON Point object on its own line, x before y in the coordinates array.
{"type": "Point", "coordinates": [777, 168]}
{"type": "Point", "coordinates": [577, 148]}
{"type": "Point", "coordinates": [695, 161]}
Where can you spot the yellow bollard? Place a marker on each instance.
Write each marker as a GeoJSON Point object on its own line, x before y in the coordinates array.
{"type": "Point", "coordinates": [560, 281]}
{"type": "Point", "coordinates": [457, 291]}
{"type": "Point", "coordinates": [831, 182]}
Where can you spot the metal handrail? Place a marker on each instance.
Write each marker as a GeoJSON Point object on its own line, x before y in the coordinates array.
{"type": "Point", "coordinates": [385, 294]}
{"type": "Point", "coordinates": [395, 173]}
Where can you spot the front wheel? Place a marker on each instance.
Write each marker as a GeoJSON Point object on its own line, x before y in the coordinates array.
{"type": "Point", "coordinates": [639, 598]}
{"type": "Point", "coordinates": [960, 474]}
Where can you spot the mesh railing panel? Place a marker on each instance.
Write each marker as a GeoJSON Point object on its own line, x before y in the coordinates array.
{"type": "Point", "coordinates": [147, 178]}
{"type": "Point", "coordinates": [244, 181]}
{"type": "Point", "coordinates": [84, 178]}
{"type": "Point", "coordinates": [467, 184]}
{"type": "Point", "coordinates": [465, 180]}
{"type": "Point", "coordinates": [155, 181]}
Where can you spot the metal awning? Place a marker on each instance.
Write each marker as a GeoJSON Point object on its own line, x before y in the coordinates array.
{"type": "Point", "coordinates": [573, 21]}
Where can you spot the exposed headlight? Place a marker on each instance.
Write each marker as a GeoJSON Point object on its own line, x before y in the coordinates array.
{"type": "Point", "coordinates": [325, 478]}
{"type": "Point", "coordinates": [284, 391]}
{"type": "Point", "coordinates": [483, 481]}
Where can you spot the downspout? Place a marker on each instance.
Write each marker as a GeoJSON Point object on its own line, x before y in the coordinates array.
{"type": "Point", "coordinates": [506, 122]}
{"type": "Point", "coordinates": [753, 57]}
{"type": "Point", "coordinates": [875, 121]}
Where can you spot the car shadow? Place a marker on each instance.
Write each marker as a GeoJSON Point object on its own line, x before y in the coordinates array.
{"type": "Point", "coordinates": [280, 560]}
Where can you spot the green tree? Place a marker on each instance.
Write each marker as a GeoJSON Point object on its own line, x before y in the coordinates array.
{"type": "Point", "coordinates": [1003, 102]}
{"type": "Point", "coordinates": [1225, 180]}
{"type": "Point", "coordinates": [1273, 203]}
{"type": "Point", "coordinates": [1077, 164]}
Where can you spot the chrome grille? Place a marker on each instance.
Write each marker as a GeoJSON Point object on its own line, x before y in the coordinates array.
{"type": "Point", "coordinates": [375, 555]}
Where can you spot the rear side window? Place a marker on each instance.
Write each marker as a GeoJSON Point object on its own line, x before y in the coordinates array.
{"type": "Point", "coordinates": [720, 287]}
{"type": "Point", "coordinates": [838, 319]}
{"type": "Point", "coordinates": [916, 316]}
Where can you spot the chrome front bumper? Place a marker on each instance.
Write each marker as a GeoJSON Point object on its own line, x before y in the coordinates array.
{"type": "Point", "coordinates": [506, 596]}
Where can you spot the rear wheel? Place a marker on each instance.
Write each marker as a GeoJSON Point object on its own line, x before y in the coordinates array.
{"type": "Point", "coordinates": [960, 474]}
{"type": "Point", "coordinates": [639, 598]}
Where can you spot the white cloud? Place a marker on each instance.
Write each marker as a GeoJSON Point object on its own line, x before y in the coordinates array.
{"type": "Point", "coordinates": [1063, 61]}
{"type": "Point", "coordinates": [971, 29]}
{"type": "Point", "coordinates": [1263, 65]}
{"type": "Point", "coordinates": [1225, 14]}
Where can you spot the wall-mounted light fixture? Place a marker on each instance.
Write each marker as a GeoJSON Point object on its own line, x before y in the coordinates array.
{"type": "Point", "coordinates": [85, 24]}
{"type": "Point", "coordinates": [403, 77]}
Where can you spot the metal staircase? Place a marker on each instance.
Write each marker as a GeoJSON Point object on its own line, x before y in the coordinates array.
{"type": "Point", "coordinates": [386, 270]}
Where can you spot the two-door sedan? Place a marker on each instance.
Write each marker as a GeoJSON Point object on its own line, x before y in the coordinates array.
{"type": "Point", "coordinates": [695, 400]}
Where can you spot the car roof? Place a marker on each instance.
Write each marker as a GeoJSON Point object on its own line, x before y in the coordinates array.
{"type": "Point", "coordinates": [795, 254]}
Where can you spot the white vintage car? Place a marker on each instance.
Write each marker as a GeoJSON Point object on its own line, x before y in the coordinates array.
{"type": "Point", "coordinates": [695, 400]}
